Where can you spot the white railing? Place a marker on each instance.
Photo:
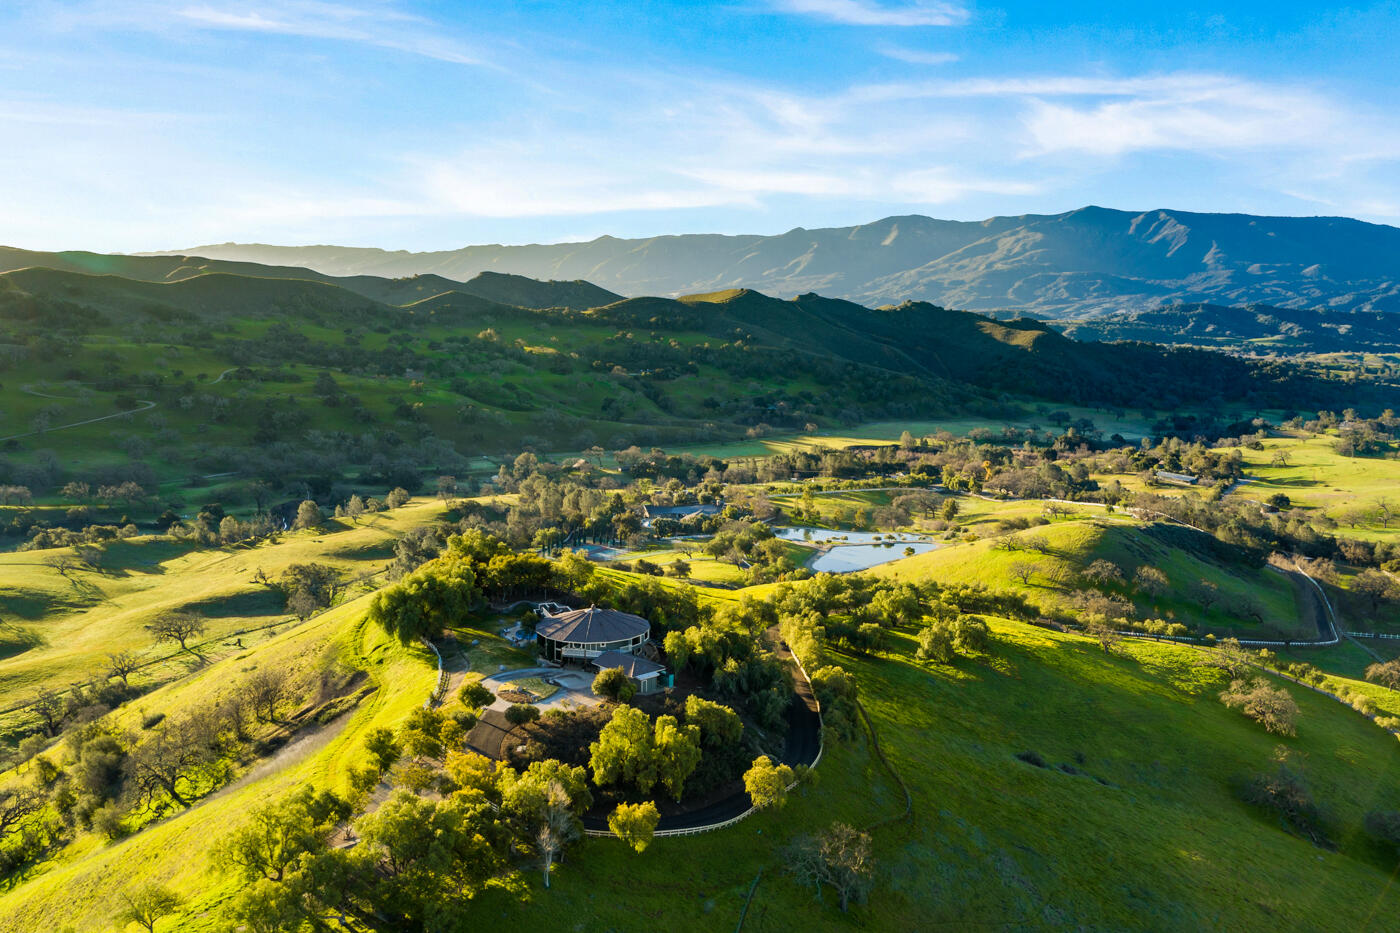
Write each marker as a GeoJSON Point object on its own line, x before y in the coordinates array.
{"type": "Point", "coordinates": [724, 824]}
{"type": "Point", "coordinates": [440, 689]}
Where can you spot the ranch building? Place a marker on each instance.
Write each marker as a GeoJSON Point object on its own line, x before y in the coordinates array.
{"type": "Point", "coordinates": [583, 634]}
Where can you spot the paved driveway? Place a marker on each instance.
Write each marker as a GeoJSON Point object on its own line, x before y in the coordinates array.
{"type": "Point", "coordinates": [575, 687]}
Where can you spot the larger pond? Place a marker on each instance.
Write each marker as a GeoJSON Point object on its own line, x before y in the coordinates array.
{"type": "Point", "coordinates": [849, 551]}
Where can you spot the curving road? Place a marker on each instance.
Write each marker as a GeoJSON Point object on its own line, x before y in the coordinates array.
{"type": "Point", "coordinates": [804, 739]}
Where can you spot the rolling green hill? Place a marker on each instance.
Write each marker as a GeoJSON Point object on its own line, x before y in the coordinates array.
{"type": "Point", "coordinates": [1208, 587]}
{"type": "Point", "coordinates": [1052, 785]}
{"type": "Point", "coordinates": [308, 383]}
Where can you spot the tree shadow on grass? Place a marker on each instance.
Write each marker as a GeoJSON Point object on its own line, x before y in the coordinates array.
{"type": "Point", "coordinates": [263, 601]}
{"type": "Point", "coordinates": [16, 639]}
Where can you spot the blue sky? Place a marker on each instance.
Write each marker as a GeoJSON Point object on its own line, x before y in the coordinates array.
{"type": "Point", "coordinates": [148, 124]}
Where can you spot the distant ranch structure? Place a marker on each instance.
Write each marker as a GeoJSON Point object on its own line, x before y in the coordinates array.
{"type": "Point", "coordinates": [678, 513]}
{"type": "Point", "coordinates": [1179, 479]}
{"type": "Point", "coordinates": [584, 634]}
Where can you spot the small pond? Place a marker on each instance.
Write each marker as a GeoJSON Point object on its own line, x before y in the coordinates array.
{"type": "Point", "coordinates": [850, 551]}
{"type": "Point", "coordinates": [826, 535]}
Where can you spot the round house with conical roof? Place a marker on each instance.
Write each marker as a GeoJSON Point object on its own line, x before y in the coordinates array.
{"type": "Point", "coordinates": [584, 634]}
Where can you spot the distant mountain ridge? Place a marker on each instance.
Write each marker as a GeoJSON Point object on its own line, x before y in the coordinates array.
{"type": "Point", "coordinates": [1082, 263]}
{"type": "Point", "coordinates": [1258, 328]}
{"type": "Point", "coordinates": [169, 268]}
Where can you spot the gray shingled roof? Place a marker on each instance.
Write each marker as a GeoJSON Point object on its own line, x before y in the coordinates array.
{"type": "Point", "coordinates": [593, 626]}
{"type": "Point", "coordinates": [632, 665]}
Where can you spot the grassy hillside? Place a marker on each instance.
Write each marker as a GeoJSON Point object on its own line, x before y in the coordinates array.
{"type": "Point", "coordinates": [1042, 752]}
{"type": "Point", "coordinates": [1188, 560]}
{"type": "Point", "coordinates": [81, 889]}
{"type": "Point", "coordinates": [1133, 824]}
{"type": "Point", "coordinates": [1137, 793]}
{"type": "Point", "coordinates": [69, 623]}
{"type": "Point", "coordinates": [310, 384]}
{"type": "Point", "coordinates": [1259, 328]}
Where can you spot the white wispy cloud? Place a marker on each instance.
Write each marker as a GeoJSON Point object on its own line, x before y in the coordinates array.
{"type": "Point", "coordinates": [380, 23]}
{"type": "Point", "coordinates": [916, 56]}
{"type": "Point", "coordinates": [376, 24]}
{"type": "Point", "coordinates": [871, 13]}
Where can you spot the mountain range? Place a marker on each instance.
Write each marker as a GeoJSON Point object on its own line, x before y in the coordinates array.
{"type": "Point", "coordinates": [1079, 264]}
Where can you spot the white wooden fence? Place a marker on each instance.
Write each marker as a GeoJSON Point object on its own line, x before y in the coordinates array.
{"type": "Point", "coordinates": [440, 690]}
{"type": "Point", "coordinates": [711, 827]}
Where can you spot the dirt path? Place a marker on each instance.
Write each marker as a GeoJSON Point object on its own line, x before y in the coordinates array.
{"type": "Point", "coordinates": [220, 378]}
{"type": "Point", "coordinates": [305, 744]}
{"type": "Point", "coordinates": [146, 405]}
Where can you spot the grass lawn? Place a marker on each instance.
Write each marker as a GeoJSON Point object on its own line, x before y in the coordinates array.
{"type": "Point", "coordinates": [536, 687]}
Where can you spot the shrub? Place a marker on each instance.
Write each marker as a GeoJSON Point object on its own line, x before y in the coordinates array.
{"type": "Point", "coordinates": [767, 783]}
{"type": "Point", "coordinates": [634, 824]}
{"type": "Point", "coordinates": [517, 714]}
{"type": "Point", "coordinates": [474, 695]}
{"type": "Point", "coordinates": [935, 645]}
{"type": "Point", "coordinates": [612, 684]}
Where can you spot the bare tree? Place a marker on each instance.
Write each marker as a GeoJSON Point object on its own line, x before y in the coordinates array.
{"type": "Point", "coordinates": [90, 555]}
{"type": "Point", "coordinates": [266, 691]}
{"type": "Point", "coordinates": [147, 906]}
{"type": "Point", "coordinates": [1024, 570]}
{"type": "Point", "coordinates": [1103, 632]}
{"type": "Point", "coordinates": [1271, 707]}
{"type": "Point", "coordinates": [122, 664]}
{"type": "Point", "coordinates": [1150, 580]}
{"type": "Point", "coordinates": [178, 626]}
{"type": "Point", "coordinates": [1103, 573]}
{"type": "Point", "coordinates": [1207, 594]}
{"type": "Point", "coordinates": [16, 805]}
{"type": "Point", "coordinates": [1037, 542]}
{"type": "Point", "coordinates": [1376, 586]}
{"type": "Point", "coordinates": [49, 708]}
{"type": "Point", "coordinates": [261, 493]}
{"type": "Point", "coordinates": [63, 563]}
{"type": "Point", "coordinates": [1386, 673]}
{"type": "Point", "coordinates": [557, 827]}
{"type": "Point", "coordinates": [169, 761]}
{"type": "Point", "coordinates": [302, 604]}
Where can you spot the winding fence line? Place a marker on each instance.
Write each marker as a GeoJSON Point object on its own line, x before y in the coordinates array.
{"type": "Point", "coordinates": [908, 810]}
{"type": "Point", "coordinates": [440, 689]}
{"type": "Point", "coordinates": [740, 817]}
